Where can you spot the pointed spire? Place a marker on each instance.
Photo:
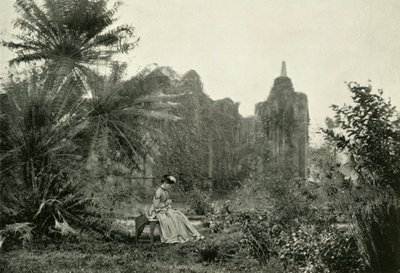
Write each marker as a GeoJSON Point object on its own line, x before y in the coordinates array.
{"type": "Point", "coordinates": [283, 70]}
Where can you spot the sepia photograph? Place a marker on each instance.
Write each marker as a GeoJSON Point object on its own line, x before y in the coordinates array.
{"type": "Point", "coordinates": [200, 136]}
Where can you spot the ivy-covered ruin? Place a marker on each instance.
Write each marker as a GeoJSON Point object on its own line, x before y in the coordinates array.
{"type": "Point", "coordinates": [282, 129]}
{"type": "Point", "coordinates": [211, 146]}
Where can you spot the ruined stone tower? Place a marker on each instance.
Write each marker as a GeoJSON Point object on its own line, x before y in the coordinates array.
{"type": "Point", "coordinates": [282, 128]}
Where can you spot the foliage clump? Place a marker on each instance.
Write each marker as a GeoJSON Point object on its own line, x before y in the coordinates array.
{"type": "Point", "coordinates": [290, 229]}
{"type": "Point", "coordinates": [199, 202]}
{"type": "Point", "coordinates": [370, 137]}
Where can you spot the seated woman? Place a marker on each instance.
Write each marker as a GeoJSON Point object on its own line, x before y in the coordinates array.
{"type": "Point", "coordinates": [175, 226]}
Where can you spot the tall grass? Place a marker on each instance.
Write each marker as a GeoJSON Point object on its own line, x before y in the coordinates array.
{"type": "Point", "coordinates": [378, 233]}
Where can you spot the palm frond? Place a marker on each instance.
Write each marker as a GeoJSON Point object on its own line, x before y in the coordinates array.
{"type": "Point", "coordinates": [75, 30]}
{"type": "Point", "coordinates": [22, 58]}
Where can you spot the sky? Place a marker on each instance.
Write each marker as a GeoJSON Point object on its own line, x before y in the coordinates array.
{"type": "Point", "coordinates": [237, 46]}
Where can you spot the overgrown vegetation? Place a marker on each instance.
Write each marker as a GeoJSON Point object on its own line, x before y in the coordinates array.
{"type": "Point", "coordinates": [62, 115]}
{"type": "Point", "coordinates": [289, 230]}
{"type": "Point", "coordinates": [203, 147]}
{"type": "Point", "coordinates": [371, 138]}
{"type": "Point", "coordinates": [65, 130]}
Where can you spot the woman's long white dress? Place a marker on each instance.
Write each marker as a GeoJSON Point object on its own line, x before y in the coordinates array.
{"type": "Point", "coordinates": [175, 226]}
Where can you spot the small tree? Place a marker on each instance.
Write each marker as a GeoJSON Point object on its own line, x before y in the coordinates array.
{"type": "Point", "coordinates": [371, 138]}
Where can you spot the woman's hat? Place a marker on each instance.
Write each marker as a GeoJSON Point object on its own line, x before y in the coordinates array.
{"type": "Point", "coordinates": [169, 179]}
{"type": "Point", "coordinates": [172, 179]}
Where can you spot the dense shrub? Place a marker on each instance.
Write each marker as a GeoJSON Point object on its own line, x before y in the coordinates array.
{"type": "Point", "coordinates": [293, 200]}
{"type": "Point", "coordinates": [340, 252]}
{"type": "Point", "coordinates": [370, 136]}
{"type": "Point", "coordinates": [303, 247]}
{"type": "Point", "coordinates": [331, 250]}
{"type": "Point", "coordinates": [199, 202]}
{"type": "Point", "coordinates": [219, 222]}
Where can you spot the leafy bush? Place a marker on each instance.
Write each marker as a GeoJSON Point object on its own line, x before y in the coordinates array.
{"type": "Point", "coordinates": [199, 202]}
{"type": "Point", "coordinates": [218, 222]}
{"type": "Point", "coordinates": [331, 249]}
{"type": "Point", "coordinates": [292, 200]}
{"type": "Point", "coordinates": [339, 251]}
{"type": "Point", "coordinates": [259, 232]}
{"type": "Point", "coordinates": [290, 230]}
{"type": "Point", "coordinates": [303, 247]}
{"type": "Point", "coordinates": [371, 138]}
{"type": "Point", "coordinates": [262, 234]}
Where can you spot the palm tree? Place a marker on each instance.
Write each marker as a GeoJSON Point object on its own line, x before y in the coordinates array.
{"type": "Point", "coordinates": [124, 118]}
{"type": "Point", "coordinates": [41, 178]}
{"type": "Point", "coordinates": [69, 36]}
